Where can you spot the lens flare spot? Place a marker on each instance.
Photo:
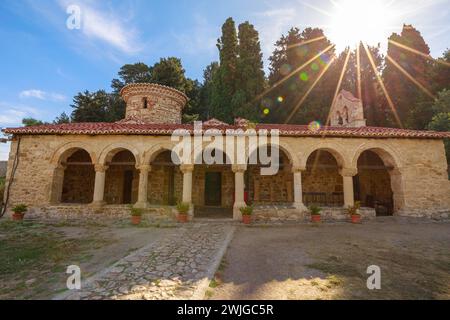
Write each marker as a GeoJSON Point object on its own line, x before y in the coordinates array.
{"type": "Point", "coordinates": [266, 103]}
{"type": "Point", "coordinates": [285, 69]}
{"type": "Point", "coordinates": [314, 67]}
{"type": "Point", "coordinates": [266, 111]}
{"type": "Point", "coordinates": [314, 126]}
{"type": "Point", "coordinates": [304, 76]}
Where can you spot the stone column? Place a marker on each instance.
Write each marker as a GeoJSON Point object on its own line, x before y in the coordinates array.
{"type": "Point", "coordinates": [239, 188]}
{"type": "Point", "coordinates": [143, 186]}
{"type": "Point", "coordinates": [298, 189]}
{"type": "Point", "coordinates": [187, 170]}
{"type": "Point", "coordinates": [57, 184]}
{"type": "Point", "coordinates": [99, 187]}
{"type": "Point", "coordinates": [347, 176]}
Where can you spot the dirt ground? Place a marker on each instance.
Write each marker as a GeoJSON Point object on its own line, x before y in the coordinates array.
{"type": "Point", "coordinates": [330, 261]}
{"type": "Point", "coordinates": [34, 255]}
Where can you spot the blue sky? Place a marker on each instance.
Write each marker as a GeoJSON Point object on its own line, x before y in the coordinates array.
{"type": "Point", "coordinates": [43, 64]}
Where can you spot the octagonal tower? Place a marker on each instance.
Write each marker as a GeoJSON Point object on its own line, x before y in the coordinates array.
{"type": "Point", "coordinates": [153, 103]}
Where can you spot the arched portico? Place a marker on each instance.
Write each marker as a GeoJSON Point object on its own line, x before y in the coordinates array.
{"type": "Point", "coordinates": [323, 179]}
{"type": "Point", "coordinates": [73, 174]}
{"type": "Point", "coordinates": [379, 179]}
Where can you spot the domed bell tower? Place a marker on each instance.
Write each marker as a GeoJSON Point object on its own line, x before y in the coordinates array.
{"type": "Point", "coordinates": [153, 103]}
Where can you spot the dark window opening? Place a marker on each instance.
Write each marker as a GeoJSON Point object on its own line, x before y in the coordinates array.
{"type": "Point", "coordinates": [145, 103]}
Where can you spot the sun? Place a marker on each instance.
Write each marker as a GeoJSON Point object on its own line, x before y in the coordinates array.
{"type": "Point", "coordinates": [353, 21]}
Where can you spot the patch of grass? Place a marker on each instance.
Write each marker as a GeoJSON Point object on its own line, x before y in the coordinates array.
{"type": "Point", "coordinates": [208, 294]}
{"type": "Point", "coordinates": [336, 268]}
{"type": "Point", "coordinates": [334, 281]}
{"type": "Point", "coordinates": [30, 250]}
{"type": "Point", "coordinates": [314, 283]}
{"type": "Point", "coordinates": [214, 283]}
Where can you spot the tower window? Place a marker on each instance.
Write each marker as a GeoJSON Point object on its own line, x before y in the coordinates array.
{"type": "Point", "coordinates": [145, 103]}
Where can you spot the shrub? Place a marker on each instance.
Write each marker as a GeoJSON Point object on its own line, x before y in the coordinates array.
{"type": "Point", "coordinates": [353, 210]}
{"type": "Point", "coordinates": [136, 212]}
{"type": "Point", "coordinates": [183, 207]}
{"type": "Point", "coordinates": [246, 211]}
{"type": "Point", "coordinates": [20, 208]}
{"type": "Point", "coordinates": [315, 210]}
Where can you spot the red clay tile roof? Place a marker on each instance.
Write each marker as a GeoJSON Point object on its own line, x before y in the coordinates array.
{"type": "Point", "coordinates": [167, 129]}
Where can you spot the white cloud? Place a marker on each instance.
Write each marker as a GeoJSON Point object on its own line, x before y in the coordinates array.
{"type": "Point", "coordinates": [42, 95]}
{"type": "Point", "coordinates": [104, 25]}
{"type": "Point", "coordinates": [272, 23]}
{"type": "Point", "coordinates": [12, 115]}
{"type": "Point", "coordinates": [202, 37]}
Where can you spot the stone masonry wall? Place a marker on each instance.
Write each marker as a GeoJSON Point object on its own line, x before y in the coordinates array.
{"type": "Point", "coordinates": [419, 177]}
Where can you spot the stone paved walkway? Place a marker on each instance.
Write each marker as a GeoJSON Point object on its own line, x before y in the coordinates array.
{"type": "Point", "coordinates": [179, 266]}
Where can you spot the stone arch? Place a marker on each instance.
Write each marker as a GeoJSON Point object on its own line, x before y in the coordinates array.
{"type": "Point", "coordinates": [111, 150]}
{"type": "Point", "coordinates": [199, 152]}
{"type": "Point", "coordinates": [66, 150]}
{"type": "Point", "coordinates": [121, 175]}
{"type": "Point", "coordinates": [63, 180]}
{"type": "Point", "coordinates": [323, 183]}
{"type": "Point", "coordinates": [165, 179]}
{"type": "Point", "coordinates": [155, 150]}
{"type": "Point", "coordinates": [335, 149]}
{"type": "Point", "coordinates": [386, 153]}
{"type": "Point", "coordinates": [285, 148]}
{"type": "Point", "coordinates": [276, 188]}
{"type": "Point", "coordinates": [392, 161]}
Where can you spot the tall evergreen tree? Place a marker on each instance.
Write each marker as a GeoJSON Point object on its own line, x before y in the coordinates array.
{"type": "Point", "coordinates": [441, 73]}
{"type": "Point", "coordinates": [250, 77]}
{"type": "Point", "coordinates": [412, 104]}
{"type": "Point", "coordinates": [206, 90]}
{"type": "Point", "coordinates": [224, 82]}
{"type": "Point", "coordinates": [131, 73]}
{"type": "Point", "coordinates": [292, 51]}
{"type": "Point", "coordinates": [91, 107]}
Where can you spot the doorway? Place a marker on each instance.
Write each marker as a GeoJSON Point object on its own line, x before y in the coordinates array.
{"type": "Point", "coordinates": [127, 186]}
{"type": "Point", "coordinates": [213, 189]}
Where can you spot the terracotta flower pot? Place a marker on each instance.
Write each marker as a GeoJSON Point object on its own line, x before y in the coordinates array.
{"type": "Point", "coordinates": [136, 220]}
{"type": "Point", "coordinates": [247, 219]}
{"type": "Point", "coordinates": [17, 216]}
{"type": "Point", "coordinates": [356, 218]}
{"type": "Point", "coordinates": [182, 217]}
{"type": "Point", "coordinates": [315, 218]}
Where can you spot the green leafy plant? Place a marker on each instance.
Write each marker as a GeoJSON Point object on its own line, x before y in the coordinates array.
{"type": "Point", "coordinates": [315, 210]}
{"type": "Point", "coordinates": [183, 207]}
{"type": "Point", "coordinates": [353, 210]}
{"type": "Point", "coordinates": [247, 210]}
{"type": "Point", "coordinates": [136, 212]}
{"type": "Point", "coordinates": [20, 208]}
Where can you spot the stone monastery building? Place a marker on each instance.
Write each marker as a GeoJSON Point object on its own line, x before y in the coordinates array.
{"type": "Point", "coordinates": [88, 168]}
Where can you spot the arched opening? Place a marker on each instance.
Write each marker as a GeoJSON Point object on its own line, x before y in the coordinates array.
{"type": "Point", "coordinates": [79, 178]}
{"type": "Point", "coordinates": [165, 180]}
{"type": "Point", "coordinates": [322, 183]}
{"type": "Point", "coordinates": [122, 178]}
{"type": "Point", "coordinates": [373, 184]}
{"type": "Point", "coordinates": [277, 189]}
{"type": "Point", "coordinates": [345, 116]}
{"type": "Point", "coordinates": [213, 186]}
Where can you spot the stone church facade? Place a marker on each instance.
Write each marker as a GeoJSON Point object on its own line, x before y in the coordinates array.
{"type": "Point", "coordinates": [88, 168]}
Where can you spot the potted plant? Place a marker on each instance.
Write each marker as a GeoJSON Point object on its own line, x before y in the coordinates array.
{"type": "Point", "coordinates": [353, 211]}
{"type": "Point", "coordinates": [315, 213]}
{"type": "Point", "coordinates": [183, 210]}
{"type": "Point", "coordinates": [247, 212]}
{"type": "Point", "coordinates": [136, 216]}
{"type": "Point", "coordinates": [19, 212]}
